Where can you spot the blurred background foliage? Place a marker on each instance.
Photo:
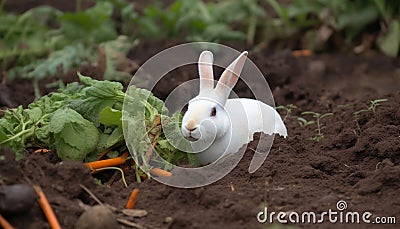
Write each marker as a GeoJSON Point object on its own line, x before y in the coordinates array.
{"type": "Point", "coordinates": [44, 40]}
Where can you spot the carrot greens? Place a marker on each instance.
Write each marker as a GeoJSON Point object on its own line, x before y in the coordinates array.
{"type": "Point", "coordinates": [82, 120]}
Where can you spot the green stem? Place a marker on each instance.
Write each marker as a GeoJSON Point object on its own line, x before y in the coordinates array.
{"type": "Point", "coordinates": [36, 88]}
{"type": "Point", "coordinates": [24, 131]}
{"type": "Point", "coordinates": [251, 30]}
{"type": "Point", "coordinates": [138, 178]}
{"type": "Point", "coordinates": [16, 136]}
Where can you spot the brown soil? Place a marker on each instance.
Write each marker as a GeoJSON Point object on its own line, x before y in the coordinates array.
{"type": "Point", "coordinates": [357, 161]}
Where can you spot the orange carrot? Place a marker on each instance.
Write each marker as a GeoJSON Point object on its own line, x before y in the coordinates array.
{"type": "Point", "coordinates": [41, 151]}
{"type": "Point", "coordinates": [132, 198]}
{"type": "Point", "coordinates": [160, 172]}
{"type": "Point", "coordinates": [304, 52]}
{"type": "Point", "coordinates": [108, 162]}
{"type": "Point", "coordinates": [48, 212]}
{"type": "Point", "coordinates": [4, 223]}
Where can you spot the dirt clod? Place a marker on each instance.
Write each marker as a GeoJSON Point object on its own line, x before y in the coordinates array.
{"type": "Point", "coordinates": [97, 217]}
{"type": "Point", "coordinates": [16, 199]}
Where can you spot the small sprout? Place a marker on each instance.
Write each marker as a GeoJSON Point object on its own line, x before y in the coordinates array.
{"type": "Point", "coordinates": [97, 181]}
{"type": "Point", "coordinates": [304, 122]}
{"type": "Point", "coordinates": [319, 136]}
{"type": "Point", "coordinates": [344, 105]}
{"type": "Point", "coordinates": [288, 108]}
{"type": "Point", "coordinates": [372, 106]}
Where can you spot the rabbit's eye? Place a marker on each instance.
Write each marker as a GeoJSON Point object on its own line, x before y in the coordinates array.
{"type": "Point", "coordinates": [213, 112]}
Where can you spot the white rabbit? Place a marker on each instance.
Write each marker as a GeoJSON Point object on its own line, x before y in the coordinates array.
{"type": "Point", "coordinates": [216, 125]}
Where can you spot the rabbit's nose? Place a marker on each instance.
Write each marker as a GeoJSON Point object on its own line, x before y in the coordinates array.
{"type": "Point", "coordinates": [191, 128]}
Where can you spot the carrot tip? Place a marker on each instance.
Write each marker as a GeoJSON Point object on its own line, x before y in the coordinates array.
{"type": "Point", "coordinates": [132, 198]}
{"type": "Point", "coordinates": [160, 172]}
{"type": "Point", "coordinates": [304, 52]}
{"type": "Point", "coordinates": [41, 151]}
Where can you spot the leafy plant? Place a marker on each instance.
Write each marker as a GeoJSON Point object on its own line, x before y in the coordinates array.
{"type": "Point", "coordinates": [197, 20]}
{"type": "Point", "coordinates": [44, 41]}
{"type": "Point", "coordinates": [319, 20]}
{"type": "Point", "coordinates": [317, 116]}
{"type": "Point", "coordinates": [30, 36]}
{"type": "Point", "coordinates": [82, 120]}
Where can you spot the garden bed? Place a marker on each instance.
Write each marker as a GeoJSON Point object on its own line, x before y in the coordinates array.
{"type": "Point", "coordinates": [356, 161]}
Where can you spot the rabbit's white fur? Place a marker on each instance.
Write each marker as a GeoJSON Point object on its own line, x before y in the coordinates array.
{"type": "Point", "coordinates": [216, 125]}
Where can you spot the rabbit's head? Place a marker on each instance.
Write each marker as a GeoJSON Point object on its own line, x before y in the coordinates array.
{"type": "Point", "coordinates": [206, 119]}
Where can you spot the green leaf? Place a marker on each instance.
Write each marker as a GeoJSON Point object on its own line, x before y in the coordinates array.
{"type": "Point", "coordinates": [300, 8]}
{"type": "Point", "coordinates": [66, 151]}
{"type": "Point", "coordinates": [111, 117]}
{"type": "Point", "coordinates": [43, 134]}
{"type": "Point", "coordinates": [93, 24]}
{"type": "Point", "coordinates": [34, 114]}
{"type": "Point", "coordinates": [95, 97]}
{"type": "Point", "coordinates": [282, 12]}
{"type": "Point", "coordinates": [62, 117]}
{"type": "Point", "coordinates": [75, 137]}
{"type": "Point", "coordinates": [62, 60]}
{"type": "Point", "coordinates": [353, 21]}
{"type": "Point", "coordinates": [71, 89]}
{"type": "Point", "coordinates": [136, 133]}
{"type": "Point", "coordinates": [101, 89]}
{"type": "Point", "coordinates": [49, 104]}
{"type": "Point", "coordinates": [108, 140]}
{"type": "Point", "coordinates": [16, 129]}
{"type": "Point", "coordinates": [139, 97]}
{"type": "Point", "coordinates": [3, 136]}
{"type": "Point", "coordinates": [389, 43]}
{"type": "Point", "coordinates": [86, 80]}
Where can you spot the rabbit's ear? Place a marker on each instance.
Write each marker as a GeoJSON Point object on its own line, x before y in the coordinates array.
{"type": "Point", "coordinates": [231, 75]}
{"type": "Point", "coordinates": [206, 60]}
